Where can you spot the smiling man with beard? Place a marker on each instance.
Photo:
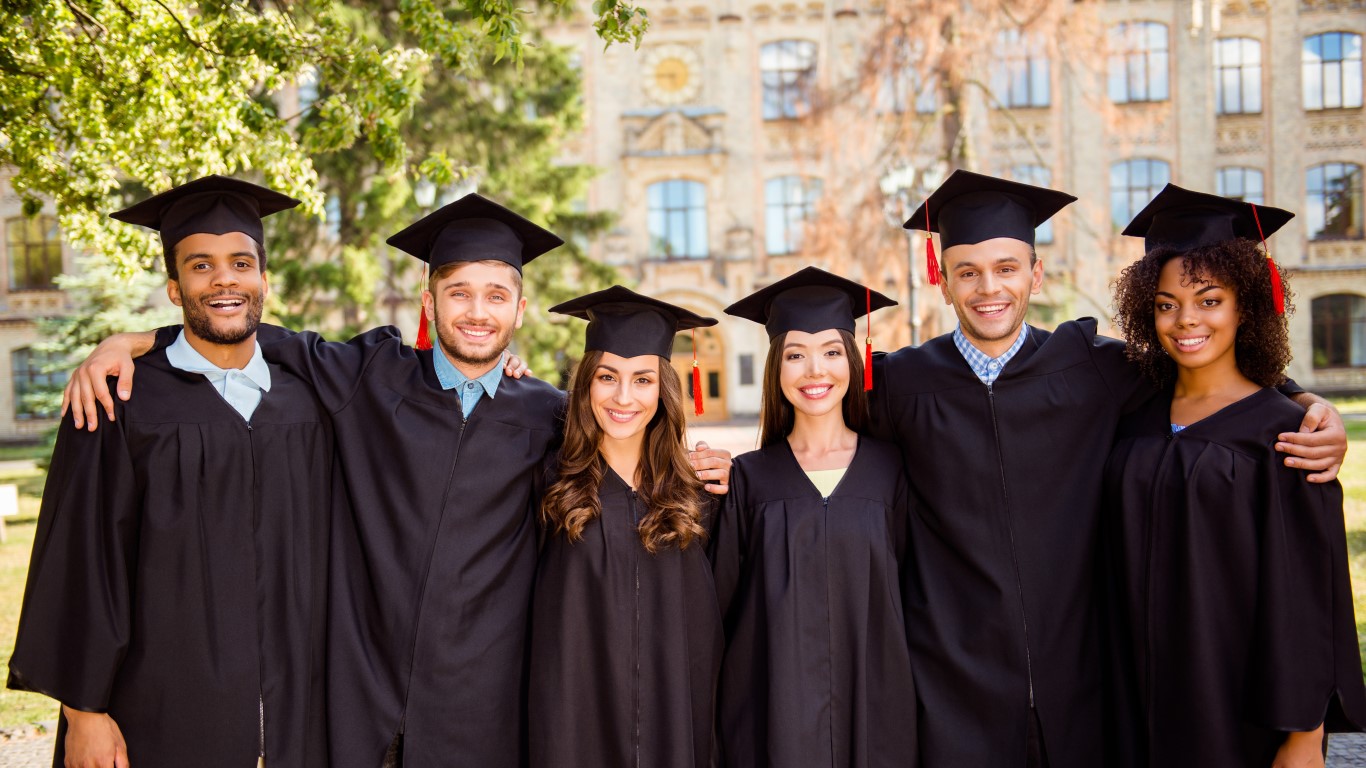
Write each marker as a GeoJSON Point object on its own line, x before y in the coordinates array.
{"type": "Point", "coordinates": [176, 593]}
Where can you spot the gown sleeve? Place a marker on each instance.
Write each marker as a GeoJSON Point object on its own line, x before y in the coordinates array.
{"type": "Point", "coordinates": [1127, 384]}
{"type": "Point", "coordinates": [1305, 666]}
{"type": "Point", "coordinates": [76, 621]}
{"type": "Point", "coordinates": [728, 543]}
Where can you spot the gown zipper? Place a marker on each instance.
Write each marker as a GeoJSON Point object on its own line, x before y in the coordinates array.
{"type": "Point", "coordinates": [635, 526]}
{"type": "Point", "coordinates": [1014, 556]}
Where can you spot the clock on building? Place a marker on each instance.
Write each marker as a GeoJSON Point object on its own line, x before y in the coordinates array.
{"type": "Point", "coordinates": [672, 74]}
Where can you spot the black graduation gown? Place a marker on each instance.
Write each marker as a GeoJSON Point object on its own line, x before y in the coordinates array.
{"type": "Point", "coordinates": [1001, 587]}
{"type": "Point", "coordinates": [625, 647]}
{"type": "Point", "coordinates": [435, 565]}
{"type": "Point", "coordinates": [1231, 589]}
{"type": "Point", "coordinates": [816, 672]}
{"type": "Point", "coordinates": [179, 574]}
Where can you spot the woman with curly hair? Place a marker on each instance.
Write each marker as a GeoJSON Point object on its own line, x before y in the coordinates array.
{"type": "Point", "coordinates": [809, 549]}
{"type": "Point", "coordinates": [1231, 610]}
{"type": "Point", "coordinates": [626, 637]}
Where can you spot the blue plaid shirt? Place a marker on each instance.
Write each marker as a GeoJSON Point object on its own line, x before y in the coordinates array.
{"type": "Point", "coordinates": [470, 390]}
{"type": "Point", "coordinates": [987, 368]}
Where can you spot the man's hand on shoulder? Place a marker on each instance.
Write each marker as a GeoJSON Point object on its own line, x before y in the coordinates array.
{"type": "Point", "coordinates": [89, 385]}
{"type": "Point", "coordinates": [93, 740]}
{"type": "Point", "coordinates": [712, 466]}
{"type": "Point", "coordinates": [1321, 444]}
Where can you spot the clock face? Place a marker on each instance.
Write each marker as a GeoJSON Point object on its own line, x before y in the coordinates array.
{"type": "Point", "coordinates": [671, 74]}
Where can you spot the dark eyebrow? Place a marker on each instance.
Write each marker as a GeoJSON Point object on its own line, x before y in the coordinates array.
{"type": "Point", "coordinates": [468, 284]}
{"type": "Point", "coordinates": [233, 255]}
{"type": "Point", "coordinates": [1210, 287]}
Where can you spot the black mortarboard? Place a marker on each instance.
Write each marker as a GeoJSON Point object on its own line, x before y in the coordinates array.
{"type": "Point", "coordinates": [474, 228]}
{"type": "Point", "coordinates": [969, 208]}
{"type": "Point", "coordinates": [1184, 220]}
{"type": "Point", "coordinates": [812, 301]}
{"type": "Point", "coordinates": [626, 323]}
{"type": "Point", "coordinates": [214, 205]}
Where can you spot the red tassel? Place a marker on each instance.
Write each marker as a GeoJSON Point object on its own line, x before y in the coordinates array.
{"type": "Point", "coordinates": [1277, 290]}
{"type": "Point", "coordinates": [424, 336]}
{"type": "Point", "coordinates": [931, 263]}
{"type": "Point", "coordinates": [696, 378]}
{"type": "Point", "coordinates": [868, 342]}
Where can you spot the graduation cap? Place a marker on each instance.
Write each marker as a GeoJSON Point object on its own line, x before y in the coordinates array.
{"type": "Point", "coordinates": [630, 324]}
{"type": "Point", "coordinates": [812, 301]}
{"type": "Point", "coordinates": [212, 205]}
{"type": "Point", "coordinates": [473, 228]}
{"type": "Point", "coordinates": [1184, 220]}
{"type": "Point", "coordinates": [969, 208]}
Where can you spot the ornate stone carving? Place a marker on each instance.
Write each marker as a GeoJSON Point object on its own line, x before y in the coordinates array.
{"type": "Point", "coordinates": [672, 133]}
{"type": "Point", "coordinates": [1345, 253]}
{"type": "Point", "coordinates": [1239, 135]}
{"type": "Point", "coordinates": [1335, 131]}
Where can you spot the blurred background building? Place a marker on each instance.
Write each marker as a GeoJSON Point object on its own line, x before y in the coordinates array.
{"type": "Point", "coordinates": [745, 140]}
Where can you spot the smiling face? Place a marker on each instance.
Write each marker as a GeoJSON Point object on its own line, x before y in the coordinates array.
{"type": "Point", "coordinates": [219, 286]}
{"type": "Point", "coordinates": [1196, 320]}
{"type": "Point", "coordinates": [989, 284]}
{"type": "Point", "coordinates": [625, 395]}
{"type": "Point", "coordinates": [476, 307]}
{"type": "Point", "coordinates": [815, 371]}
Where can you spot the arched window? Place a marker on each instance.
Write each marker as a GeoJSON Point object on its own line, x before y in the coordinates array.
{"type": "Point", "coordinates": [1241, 184]}
{"type": "Point", "coordinates": [1039, 176]}
{"type": "Point", "coordinates": [1339, 331]}
{"type": "Point", "coordinates": [1019, 74]}
{"type": "Point", "coordinates": [1332, 71]}
{"type": "Point", "coordinates": [1237, 76]}
{"type": "Point", "coordinates": [34, 247]}
{"type": "Point", "coordinates": [1133, 184]}
{"type": "Point", "coordinates": [1138, 62]}
{"type": "Point", "coordinates": [788, 202]}
{"type": "Point", "coordinates": [678, 219]}
{"type": "Point", "coordinates": [1333, 207]}
{"type": "Point", "coordinates": [788, 72]}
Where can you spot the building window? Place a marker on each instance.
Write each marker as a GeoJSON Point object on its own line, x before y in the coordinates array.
{"type": "Point", "coordinates": [903, 85]}
{"type": "Point", "coordinates": [1019, 76]}
{"type": "Point", "coordinates": [788, 202]}
{"type": "Point", "coordinates": [1332, 71]}
{"type": "Point", "coordinates": [1237, 76]}
{"type": "Point", "coordinates": [746, 370]}
{"type": "Point", "coordinates": [1138, 62]}
{"type": "Point", "coordinates": [678, 219]}
{"type": "Point", "coordinates": [1339, 331]}
{"type": "Point", "coordinates": [788, 72]}
{"type": "Point", "coordinates": [1039, 176]}
{"type": "Point", "coordinates": [1240, 184]}
{"type": "Point", "coordinates": [1133, 184]}
{"type": "Point", "coordinates": [34, 247]}
{"type": "Point", "coordinates": [1334, 204]}
{"type": "Point", "coordinates": [35, 373]}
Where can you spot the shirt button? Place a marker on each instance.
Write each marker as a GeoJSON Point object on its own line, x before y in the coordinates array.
{"type": "Point", "coordinates": [469, 385]}
{"type": "Point", "coordinates": [993, 365]}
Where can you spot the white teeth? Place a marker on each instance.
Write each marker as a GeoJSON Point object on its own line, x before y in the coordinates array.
{"type": "Point", "coordinates": [477, 334]}
{"type": "Point", "coordinates": [816, 391]}
{"type": "Point", "coordinates": [1191, 342]}
{"type": "Point", "coordinates": [991, 307]}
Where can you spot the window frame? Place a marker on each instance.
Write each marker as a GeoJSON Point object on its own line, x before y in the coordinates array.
{"type": "Point", "coordinates": [1020, 59]}
{"type": "Point", "coordinates": [786, 90]}
{"type": "Point", "coordinates": [48, 249]}
{"type": "Point", "coordinates": [1325, 330]}
{"type": "Point", "coordinates": [1152, 187]}
{"type": "Point", "coordinates": [1244, 172]}
{"type": "Point", "coordinates": [1247, 75]}
{"type": "Point", "coordinates": [1137, 53]}
{"type": "Point", "coordinates": [691, 211]}
{"type": "Point", "coordinates": [793, 214]}
{"type": "Point", "coordinates": [1346, 71]}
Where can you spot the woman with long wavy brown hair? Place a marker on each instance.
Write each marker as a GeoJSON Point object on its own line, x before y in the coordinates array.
{"type": "Point", "coordinates": [809, 549]}
{"type": "Point", "coordinates": [626, 637]}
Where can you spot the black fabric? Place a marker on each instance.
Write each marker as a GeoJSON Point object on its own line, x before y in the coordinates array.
{"type": "Point", "coordinates": [1006, 486]}
{"type": "Point", "coordinates": [214, 205]}
{"type": "Point", "coordinates": [970, 207]}
{"type": "Point", "coordinates": [1184, 220]}
{"type": "Point", "coordinates": [625, 647]}
{"type": "Point", "coordinates": [817, 671]}
{"type": "Point", "coordinates": [630, 324]}
{"type": "Point", "coordinates": [474, 228]}
{"type": "Point", "coordinates": [810, 300]}
{"type": "Point", "coordinates": [1231, 602]}
{"type": "Point", "coordinates": [435, 563]}
{"type": "Point", "coordinates": [179, 573]}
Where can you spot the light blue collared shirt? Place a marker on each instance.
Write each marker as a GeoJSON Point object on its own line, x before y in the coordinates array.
{"type": "Point", "coordinates": [242, 387]}
{"type": "Point", "coordinates": [470, 390]}
{"type": "Point", "coordinates": [987, 368]}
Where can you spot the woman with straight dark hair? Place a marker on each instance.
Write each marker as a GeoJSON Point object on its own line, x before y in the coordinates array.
{"type": "Point", "coordinates": [808, 552]}
{"type": "Point", "coordinates": [626, 636]}
{"type": "Point", "coordinates": [1234, 643]}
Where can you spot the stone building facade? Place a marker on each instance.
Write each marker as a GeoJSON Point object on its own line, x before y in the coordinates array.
{"type": "Point", "coordinates": [713, 173]}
